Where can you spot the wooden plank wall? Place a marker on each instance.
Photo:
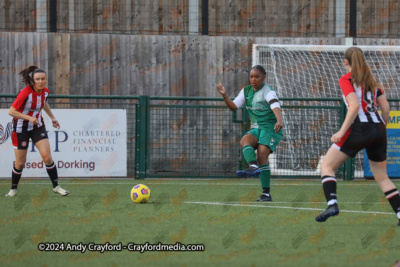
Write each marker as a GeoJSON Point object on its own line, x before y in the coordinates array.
{"type": "Point", "coordinates": [378, 18]}
{"type": "Point", "coordinates": [19, 15]}
{"type": "Point", "coordinates": [111, 64]}
{"type": "Point", "coordinates": [19, 50]}
{"type": "Point", "coordinates": [124, 16]}
{"type": "Point", "coordinates": [255, 18]}
{"type": "Point", "coordinates": [287, 18]}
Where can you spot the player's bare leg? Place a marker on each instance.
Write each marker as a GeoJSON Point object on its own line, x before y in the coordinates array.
{"type": "Point", "coordinates": [44, 149]}
{"type": "Point", "coordinates": [20, 159]}
{"type": "Point", "coordinates": [378, 169]}
{"type": "Point", "coordinates": [332, 160]}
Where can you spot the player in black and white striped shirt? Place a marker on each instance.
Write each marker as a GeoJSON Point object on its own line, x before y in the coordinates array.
{"type": "Point", "coordinates": [363, 128]}
{"type": "Point", "coordinates": [28, 125]}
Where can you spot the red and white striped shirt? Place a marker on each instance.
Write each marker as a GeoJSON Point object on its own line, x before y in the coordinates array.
{"type": "Point", "coordinates": [30, 103]}
{"type": "Point", "coordinates": [368, 111]}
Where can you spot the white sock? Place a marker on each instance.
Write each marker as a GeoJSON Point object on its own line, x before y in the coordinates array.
{"type": "Point", "coordinates": [332, 201]}
{"type": "Point", "coordinates": [398, 215]}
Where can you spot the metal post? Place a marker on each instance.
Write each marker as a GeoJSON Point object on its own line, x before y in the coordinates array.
{"type": "Point", "coordinates": [204, 17]}
{"type": "Point", "coordinates": [353, 18]}
{"type": "Point", "coordinates": [53, 15]}
{"type": "Point", "coordinates": [142, 131]}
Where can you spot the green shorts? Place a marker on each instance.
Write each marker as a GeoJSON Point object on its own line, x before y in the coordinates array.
{"type": "Point", "coordinates": [267, 138]}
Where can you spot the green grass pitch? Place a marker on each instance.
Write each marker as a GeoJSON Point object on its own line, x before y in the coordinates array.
{"type": "Point", "coordinates": [220, 214]}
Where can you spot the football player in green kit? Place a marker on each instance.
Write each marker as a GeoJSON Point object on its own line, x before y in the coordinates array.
{"type": "Point", "coordinates": [265, 113]}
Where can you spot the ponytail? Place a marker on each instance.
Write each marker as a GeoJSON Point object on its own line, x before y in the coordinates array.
{"type": "Point", "coordinates": [360, 72]}
{"type": "Point", "coordinates": [27, 77]}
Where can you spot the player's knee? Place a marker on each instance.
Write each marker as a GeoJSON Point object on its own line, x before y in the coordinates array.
{"type": "Point", "coordinates": [19, 165]}
{"type": "Point", "coordinates": [47, 159]}
{"type": "Point", "coordinates": [243, 142]}
{"type": "Point", "coordinates": [326, 168]}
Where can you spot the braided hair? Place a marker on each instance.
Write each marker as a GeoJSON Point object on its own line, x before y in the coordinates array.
{"type": "Point", "coordinates": [260, 68]}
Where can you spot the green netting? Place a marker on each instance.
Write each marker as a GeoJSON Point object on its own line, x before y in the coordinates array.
{"type": "Point", "coordinates": [190, 140]}
{"type": "Point", "coordinates": [193, 141]}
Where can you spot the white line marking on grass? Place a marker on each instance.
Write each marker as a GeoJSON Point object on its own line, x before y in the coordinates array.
{"type": "Point", "coordinates": [281, 207]}
{"type": "Point", "coordinates": [82, 183]}
{"type": "Point", "coordinates": [304, 202]}
{"type": "Point", "coordinates": [217, 183]}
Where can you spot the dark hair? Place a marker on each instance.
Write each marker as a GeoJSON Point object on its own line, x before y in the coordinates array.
{"type": "Point", "coordinates": [27, 74]}
{"type": "Point", "coordinates": [360, 73]}
{"type": "Point", "coordinates": [260, 68]}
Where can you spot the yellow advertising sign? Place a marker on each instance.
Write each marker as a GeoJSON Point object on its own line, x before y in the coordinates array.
{"type": "Point", "coordinates": [394, 120]}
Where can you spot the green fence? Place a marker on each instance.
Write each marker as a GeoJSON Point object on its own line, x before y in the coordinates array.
{"type": "Point", "coordinates": [191, 137]}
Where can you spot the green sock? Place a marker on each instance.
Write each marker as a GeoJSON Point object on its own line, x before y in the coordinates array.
{"type": "Point", "coordinates": [249, 154]}
{"type": "Point", "coordinates": [265, 176]}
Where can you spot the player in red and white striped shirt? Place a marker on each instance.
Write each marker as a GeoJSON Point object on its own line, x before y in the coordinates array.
{"type": "Point", "coordinates": [28, 124]}
{"type": "Point", "coordinates": [363, 128]}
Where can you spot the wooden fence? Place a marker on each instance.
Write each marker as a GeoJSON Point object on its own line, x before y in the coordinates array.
{"type": "Point", "coordinates": [251, 18]}
{"type": "Point", "coordinates": [111, 64]}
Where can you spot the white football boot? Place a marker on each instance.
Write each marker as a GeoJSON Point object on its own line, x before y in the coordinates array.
{"type": "Point", "coordinates": [60, 191]}
{"type": "Point", "coordinates": [12, 192]}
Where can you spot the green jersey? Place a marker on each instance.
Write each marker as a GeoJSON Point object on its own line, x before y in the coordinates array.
{"type": "Point", "coordinates": [259, 105]}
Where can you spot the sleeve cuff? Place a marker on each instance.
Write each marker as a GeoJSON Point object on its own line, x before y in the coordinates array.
{"type": "Point", "coordinates": [275, 105]}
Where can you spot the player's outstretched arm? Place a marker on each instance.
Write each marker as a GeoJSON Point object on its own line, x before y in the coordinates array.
{"type": "Point", "coordinates": [228, 101]}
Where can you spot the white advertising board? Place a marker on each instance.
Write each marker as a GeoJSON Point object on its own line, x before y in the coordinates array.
{"type": "Point", "coordinates": [90, 143]}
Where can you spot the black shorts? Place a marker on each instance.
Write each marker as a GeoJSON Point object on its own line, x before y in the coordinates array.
{"type": "Point", "coordinates": [21, 140]}
{"type": "Point", "coordinates": [371, 136]}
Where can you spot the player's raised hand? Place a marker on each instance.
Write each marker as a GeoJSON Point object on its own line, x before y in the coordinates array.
{"type": "Point", "coordinates": [221, 89]}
